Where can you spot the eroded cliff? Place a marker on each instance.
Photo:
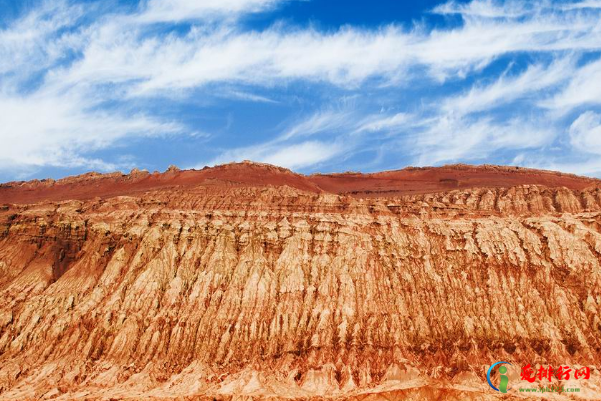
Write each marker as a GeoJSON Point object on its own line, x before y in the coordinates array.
{"type": "Point", "coordinates": [228, 288]}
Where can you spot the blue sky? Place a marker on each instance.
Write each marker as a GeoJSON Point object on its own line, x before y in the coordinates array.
{"type": "Point", "coordinates": [313, 85]}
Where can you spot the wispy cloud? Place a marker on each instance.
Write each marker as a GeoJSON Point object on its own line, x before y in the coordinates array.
{"type": "Point", "coordinates": [449, 139]}
{"type": "Point", "coordinates": [181, 10]}
{"type": "Point", "coordinates": [507, 78]}
{"type": "Point", "coordinates": [292, 149]}
{"type": "Point", "coordinates": [584, 88]}
{"type": "Point", "coordinates": [318, 123]}
{"type": "Point", "coordinates": [582, 5]}
{"type": "Point", "coordinates": [59, 131]}
{"type": "Point", "coordinates": [585, 133]}
{"type": "Point", "coordinates": [387, 123]}
{"type": "Point", "coordinates": [33, 43]}
{"type": "Point", "coordinates": [293, 156]}
{"type": "Point", "coordinates": [341, 129]}
{"type": "Point", "coordinates": [345, 58]}
{"type": "Point", "coordinates": [246, 96]}
{"type": "Point", "coordinates": [486, 9]}
{"type": "Point", "coordinates": [581, 154]}
{"type": "Point", "coordinates": [507, 89]}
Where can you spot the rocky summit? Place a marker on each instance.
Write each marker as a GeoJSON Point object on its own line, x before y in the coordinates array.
{"type": "Point", "coordinates": [250, 281]}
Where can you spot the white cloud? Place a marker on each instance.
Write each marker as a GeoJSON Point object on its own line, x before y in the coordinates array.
{"type": "Point", "coordinates": [286, 150]}
{"type": "Point", "coordinates": [170, 63]}
{"type": "Point", "coordinates": [506, 90]}
{"type": "Point", "coordinates": [180, 10]}
{"type": "Point", "coordinates": [582, 157]}
{"type": "Point", "coordinates": [386, 123]}
{"type": "Point", "coordinates": [126, 57]}
{"type": "Point", "coordinates": [485, 9]}
{"type": "Point", "coordinates": [303, 154]}
{"type": "Point", "coordinates": [348, 57]}
{"type": "Point", "coordinates": [582, 5]}
{"type": "Point", "coordinates": [343, 129]}
{"type": "Point", "coordinates": [585, 133]}
{"type": "Point", "coordinates": [246, 96]}
{"type": "Point", "coordinates": [584, 88]}
{"type": "Point", "coordinates": [450, 139]}
{"type": "Point", "coordinates": [320, 122]}
{"type": "Point", "coordinates": [58, 131]}
{"type": "Point", "coordinates": [30, 44]}
{"type": "Point", "coordinates": [293, 156]}
{"type": "Point", "coordinates": [582, 165]}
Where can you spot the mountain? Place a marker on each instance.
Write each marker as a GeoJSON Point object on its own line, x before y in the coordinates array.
{"type": "Point", "coordinates": [249, 280]}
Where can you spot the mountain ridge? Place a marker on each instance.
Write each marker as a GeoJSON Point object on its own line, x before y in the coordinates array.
{"type": "Point", "coordinates": [224, 290]}
{"type": "Point", "coordinates": [410, 180]}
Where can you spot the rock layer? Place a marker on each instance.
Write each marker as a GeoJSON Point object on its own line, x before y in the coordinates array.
{"type": "Point", "coordinates": [233, 288]}
{"type": "Point", "coordinates": [409, 181]}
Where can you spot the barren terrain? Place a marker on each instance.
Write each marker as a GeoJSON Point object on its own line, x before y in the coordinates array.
{"type": "Point", "coordinates": [248, 280]}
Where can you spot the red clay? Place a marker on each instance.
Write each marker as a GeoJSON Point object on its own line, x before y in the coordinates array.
{"type": "Point", "coordinates": [414, 180]}
{"type": "Point", "coordinates": [384, 184]}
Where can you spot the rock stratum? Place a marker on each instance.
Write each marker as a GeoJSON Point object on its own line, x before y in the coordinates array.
{"type": "Point", "coordinates": [248, 281]}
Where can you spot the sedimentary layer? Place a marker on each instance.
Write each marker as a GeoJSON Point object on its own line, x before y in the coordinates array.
{"type": "Point", "coordinates": [232, 288]}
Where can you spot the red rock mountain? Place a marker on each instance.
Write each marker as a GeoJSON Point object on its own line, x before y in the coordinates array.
{"type": "Point", "coordinates": [248, 280]}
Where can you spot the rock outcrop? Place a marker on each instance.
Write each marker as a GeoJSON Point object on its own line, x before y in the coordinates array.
{"type": "Point", "coordinates": [273, 284]}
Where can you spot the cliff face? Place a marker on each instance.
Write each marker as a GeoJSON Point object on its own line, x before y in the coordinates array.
{"type": "Point", "coordinates": [228, 289]}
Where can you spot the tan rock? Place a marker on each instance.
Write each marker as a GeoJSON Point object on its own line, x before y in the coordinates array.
{"type": "Point", "coordinates": [287, 288]}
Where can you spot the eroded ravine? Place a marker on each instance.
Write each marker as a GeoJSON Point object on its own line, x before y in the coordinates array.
{"type": "Point", "coordinates": [273, 291]}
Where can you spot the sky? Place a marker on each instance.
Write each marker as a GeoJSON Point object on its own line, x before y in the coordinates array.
{"type": "Point", "coordinates": [311, 85]}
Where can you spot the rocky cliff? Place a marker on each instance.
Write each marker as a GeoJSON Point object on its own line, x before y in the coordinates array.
{"type": "Point", "coordinates": [249, 280]}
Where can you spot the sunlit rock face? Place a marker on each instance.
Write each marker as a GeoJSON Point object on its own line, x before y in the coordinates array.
{"type": "Point", "coordinates": [220, 287]}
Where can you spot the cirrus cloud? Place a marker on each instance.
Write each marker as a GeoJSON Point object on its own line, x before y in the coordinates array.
{"type": "Point", "coordinates": [504, 81]}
